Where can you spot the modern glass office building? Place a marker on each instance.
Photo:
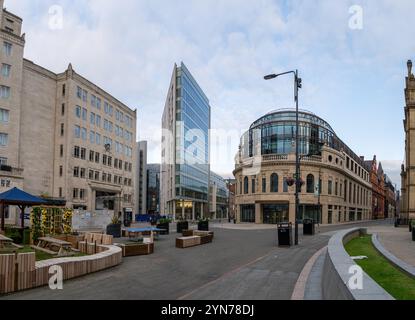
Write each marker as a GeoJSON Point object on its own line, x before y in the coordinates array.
{"type": "Point", "coordinates": [185, 155]}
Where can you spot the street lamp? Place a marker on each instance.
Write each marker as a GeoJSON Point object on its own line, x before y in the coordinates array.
{"type": "Point", "coordinates": [297, 85]}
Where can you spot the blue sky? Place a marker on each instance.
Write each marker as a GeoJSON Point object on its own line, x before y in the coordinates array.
{"type": "Point", "coordinates": [354, 79]}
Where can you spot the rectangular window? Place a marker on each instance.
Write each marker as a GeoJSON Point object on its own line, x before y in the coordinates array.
{"type": "Point", "coordinates": [84, 95]}
{"type": "Point", "coordinates": [336, 188]}
{"type": "Point", "coordinates": [97, 157]}
{"type": "Point", "coordinates": [98, 139]}
{"type": "Point", "coordinates": [92, 137]}
{"type": "Point", "coordinates": [98, 121]}
{"type": "Point", "coordinates": [104, 177]}
{"type": "Point", "coordinates": [60, 171]}
{"type": "Point", "coordinates": [62, 129]}
{"type": "Point", "coordinates": [63, 109]}
{"type": "Point", "coordinates": [330, 187]}
{"type": "Point", "coordinates": [4, 92]}
{"type": "Point", "coordinates": [96, 175]}
{"type": "Point", "coordinates": [104, 159]}
{"type": "Point", "coordinates": [109, 178]}
{"type": "Point", "coordinates": [78, 112]}
{"type": "Point", "coordinates": [92, 118]}
{"type": "Point", "coordinates": [91, 174]}
{"type": "Point", "coordinates": [4, 115]}
{"type": "Point", "coordinates": [76, 172]}
{"type": "Point", "coordinates": [5, 70]}
{"type": "Point", "coordinates": [75, 193]}
{"type": "Point", "coordinates": [7, 49]}
{"type": "Point", "coordinates": [109, 161]}
{"type": "Point", "coordinates": [76, 152]}
{"type": "Point", "coordinates": [285, 185]}
{"type": "Point", "coordinates": [91, 156]}
{"type": "Point", "coordinates": [61, 150]}
{"type": "Point", "coordinates": [253, 186]}
{"type": "Point", "coordinates": [82, 173]}
{"type": "Point", "coordinates": [4, 138]}
{"type": "Point", "coordinates": [79, 92]}
{"type": "Point", "coordinates": [93, 100]}
{"type": "Point", "coordinates": [83, 153]}
{"type": "Point", "coordinates": [84, 134]}
{"type": "Point", "coordinates": [84, 114]}
{"type": "Point", "coordinates": [98, 103]}
{"type": "Point", "coordinates": [63, 90]}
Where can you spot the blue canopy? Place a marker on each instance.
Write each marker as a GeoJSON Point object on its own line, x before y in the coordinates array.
{"type": "Point", "coordinates": [20, 198]}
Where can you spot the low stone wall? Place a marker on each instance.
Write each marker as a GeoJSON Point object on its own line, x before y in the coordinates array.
{"type": "Point", "coordinates": [336, 272]}
{"type": "Point", "coordinates": [402, 265]}
{"type": "Point", "coordinates": [31, 274]}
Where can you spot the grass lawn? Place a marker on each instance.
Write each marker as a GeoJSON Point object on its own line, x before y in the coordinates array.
{"type": "Point", "coordinates": [40, 255]}
{"type": "Point", "coordinates": [393, 280]}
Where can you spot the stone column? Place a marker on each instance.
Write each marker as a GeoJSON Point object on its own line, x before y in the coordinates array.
{"type": "Point", "coordinates": [258, 216]}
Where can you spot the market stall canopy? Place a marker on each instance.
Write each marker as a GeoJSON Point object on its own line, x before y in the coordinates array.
{"type": "Point", "coordinates": [17, 197]}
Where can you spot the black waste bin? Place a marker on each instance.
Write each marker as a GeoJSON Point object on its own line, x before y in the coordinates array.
{"type": "Point", "coordinates": [309, 227]}
{"type": "Point", "coordinates": [285, 238]}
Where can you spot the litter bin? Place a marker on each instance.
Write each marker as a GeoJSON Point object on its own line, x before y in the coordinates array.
{"type": "Point", "coordinates": [285, 238]}
{"type": "Point", "coordinates": [309, 227]}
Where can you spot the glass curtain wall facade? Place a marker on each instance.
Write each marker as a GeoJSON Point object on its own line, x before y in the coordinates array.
{"type": "Point", "coordinates": [192, 145]}
{"type": "Point", "coordinates": [153, 188]}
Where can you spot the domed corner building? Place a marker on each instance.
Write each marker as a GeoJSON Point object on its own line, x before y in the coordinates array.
{"type": "Point", "coordinates": [335, 181]}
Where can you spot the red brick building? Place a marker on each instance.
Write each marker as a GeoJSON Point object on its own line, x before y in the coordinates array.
{"type": "Point", "coordinates": [377, 179]}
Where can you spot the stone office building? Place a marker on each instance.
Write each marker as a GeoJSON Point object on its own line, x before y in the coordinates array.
{"type": "Point", "coordinates": [336, 186]}
{"type": "Point", "coordinates": [62, 136]}
{"type": "Point", "coordinates": [407, 205]}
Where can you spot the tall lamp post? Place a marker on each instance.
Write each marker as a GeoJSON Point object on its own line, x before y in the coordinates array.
{"type": "Point", "coordinates": [297, 85]}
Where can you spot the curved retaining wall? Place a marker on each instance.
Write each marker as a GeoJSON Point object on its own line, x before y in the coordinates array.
{"type": "Point", "coordinates": [31, 274]}
{"type": "Point", "coordinates": [336, 273]}
{"type": "Point", "coordinates": [402, 265]}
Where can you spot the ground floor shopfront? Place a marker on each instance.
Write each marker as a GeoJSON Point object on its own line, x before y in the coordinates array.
{"type": "Point", "coordinates": [274, 213]}
{"type": "Point", "coordinates": [187, 209]}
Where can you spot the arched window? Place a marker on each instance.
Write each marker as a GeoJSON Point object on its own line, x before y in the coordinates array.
{"type": "Point", "coordinates": [274, 182]}
{"type": "Point", "coordinates": [246, 185]}
{"type": "Point", "coordinates": [310, 183]}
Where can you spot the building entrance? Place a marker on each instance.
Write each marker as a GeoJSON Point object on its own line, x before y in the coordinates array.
{"type": "Point", "coordinates": [275, 213]}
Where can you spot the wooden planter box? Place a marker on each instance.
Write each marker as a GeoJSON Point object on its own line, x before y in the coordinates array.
{"type": "Point", "coordinates": [165, 226]}
{"type": "Point", "coordinates": [203, 233]}
{"type": "Point", "coordinates": [203, 226]}
{"type": "Point", "coordinates": [139, 249]}
{"type": "Point", "coordinates": [182, 225]}
{"type": "Point", "coordinates": [206, 239]}
{"type": "Point", "coordinates": [187, 233]}
{"type": "Point", "coordinates": [186, 242]}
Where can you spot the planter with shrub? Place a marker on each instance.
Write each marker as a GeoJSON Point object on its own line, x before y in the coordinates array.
{"type": "Point", "coordinates": [182, 225]}
{"type": "Point", "coordinates": [203, 225]}
{"type": "Point", "coordinates": [114, 228]}
{"type": "Point", "coordinates": [165, 225]}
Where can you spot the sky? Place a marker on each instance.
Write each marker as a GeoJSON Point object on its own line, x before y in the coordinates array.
{"type": "Point", "coordinates": [351, 56]}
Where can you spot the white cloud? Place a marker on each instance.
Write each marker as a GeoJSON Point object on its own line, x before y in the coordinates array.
{"type": "Point", "coordinates": [353, 79]}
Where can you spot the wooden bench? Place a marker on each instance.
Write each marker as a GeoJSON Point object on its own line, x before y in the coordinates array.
{"type": "Point", "coordinates": [47, 243]}
{"type": "Point", "coordinates": [136, 249]}
{"type": "Point", "coordinates": [186, 242]}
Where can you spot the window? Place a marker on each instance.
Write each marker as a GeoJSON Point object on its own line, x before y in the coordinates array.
{"type": "Point", "coordinates": [104, 159]}
{"type": "Point", "coordinates": [246, 186]}
{"type": "Point", "coordinates": [98, 104]}
{"type": "Point", "coordinates": [4, 115]}
{"type": "Point", "coordinates": [285, 185]}
{"type": "Point", "coordinates": [60, 193]}
{"type": "Point", "coordinates": [93, 100]}
{"type": "Point", "coordinates": [84, 95]}
{"type": "Point", "coordinates": [62, 129]}
{"type": "Point", "coordinates": [97, 138]}
{"type": "Point", "coordinates": [91, 156]}
{"type": "Point", "coordinates": [96, 157]}
{"type": "Point", "coordinates": [109, 161]}
{"type": "Point", "coordinates": [63, 90]}
{"type": "Point", "coordinates": [84, 114]}
{"type": "Point", "coordinates": [120, 164]}
{"type": "Point", "coordinates": [83, 153]}
{"type": "Point", "coordinates": [96, 175]}
{"type": "Point", "coordinates": [63, 109]}
{"type": "Point", "coordinates": [75, 193]}
{"type": "Point", "coordinates": [61, 150]}
{"type": "Point", "coordinates": [82, 173]}
{"type": "Point", "coordinates": [7, 48]}
{"type": "Point", "coordinates": [60, 171]}
{"type": "Point", "coordinates": [92, 137]}
{"type": "Point", "coordinates": [84, 134]}
{"type": "Point", "coordinates": [116, 163]}
{"type": "Point", "coordinates": [104, 177]}
{"type": "Point", "coordinates": [92, 118]}
{"type": "Point", "coordinates": [5, 70]}
{"type": "Point", "coordinates": [76, 172]}
{"type": "Point", "coordinates": [79, 92]}
{"type": "Point", "coordinates": [330, 187]}
{"type": "Point", "coordinates": [4, 138]}
{"type": "Point", "coordinates": [109, 178]}
{"type": "Point", "coordinates": [4, 92]}
{"type": "Point", "coordinates": [274, 182]}
{"type": "Point", "coordinates": [310, 183]}
{"type": "Point", "coordinates": [91, 174]}
{"type": "Point", "coordinates": [76, 152]}
{"type": "Point", "coordinates": [98, 121]}
{"type": "Point", "coordinates": [78, 112]}
{"type": "Point", "coordinates": [82, 193]}
{"type": "Point", "coordinates": [3, 161]}
{"type": "Point", "coordinates": [253, 185]}
{"type": "Point", "coordinates": [336, 188]}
